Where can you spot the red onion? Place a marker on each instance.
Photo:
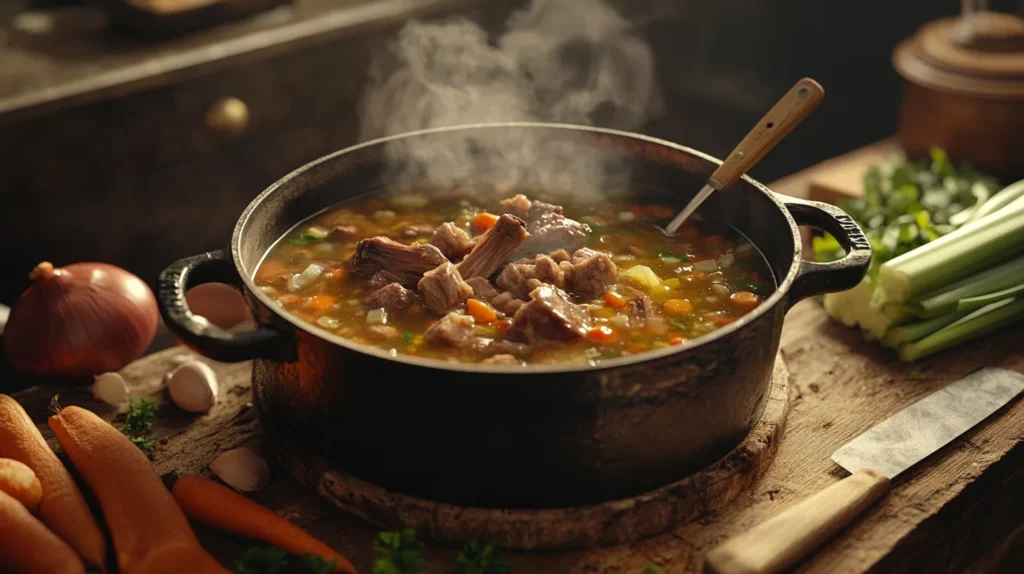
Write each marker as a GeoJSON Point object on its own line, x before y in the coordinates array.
{"type": "Point", "coordinates": [83, 319]}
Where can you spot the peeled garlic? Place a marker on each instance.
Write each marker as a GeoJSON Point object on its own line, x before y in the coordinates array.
{"type": "Point", "coordinates": [110, 388]}
{"type": "Point", "coordinates": [193, 386]}
{"type": "Point", "coordinates": [242, 469]}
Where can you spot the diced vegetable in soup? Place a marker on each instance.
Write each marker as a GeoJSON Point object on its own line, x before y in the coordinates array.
{"type": "Point", "coordinates": [513, 281]}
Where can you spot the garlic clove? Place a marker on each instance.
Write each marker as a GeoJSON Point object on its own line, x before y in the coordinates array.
{"type": "Point", "coordinates": [193, 387]}
{"type": "Point", "coordinates": [242, 469]}
{"type": "Point", "coordinates": [110, 388]}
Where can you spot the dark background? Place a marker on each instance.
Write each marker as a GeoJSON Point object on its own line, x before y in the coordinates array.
{"type": "Point", "coordinates": [724, 62]}
{"type": "Point", "coordinates": [135, 181]}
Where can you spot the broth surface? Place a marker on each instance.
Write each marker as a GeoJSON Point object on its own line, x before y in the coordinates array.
{"type": "Point", "coordinates": [617, 287]}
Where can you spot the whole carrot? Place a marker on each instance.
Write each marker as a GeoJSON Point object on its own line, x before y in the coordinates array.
{"type": "Point", "coordinates": [28, 547]}
{"type": "Point", "coordinates": [213, 504]}
{"type": "Point", "coordinates": [151, 534]}
{"type": "Point", "coordinates": [18, 480]}
{"type": "Point", "coordinates": [62, 506]}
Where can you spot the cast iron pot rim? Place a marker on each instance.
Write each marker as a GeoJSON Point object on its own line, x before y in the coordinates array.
{"type": "Point", "coordinates": [768, 304]}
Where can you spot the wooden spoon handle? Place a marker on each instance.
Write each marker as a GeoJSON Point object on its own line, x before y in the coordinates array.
{"type": "Point", "coordinates": [777, 543]}
{"type": "Point", "coordinates": [785, 115]}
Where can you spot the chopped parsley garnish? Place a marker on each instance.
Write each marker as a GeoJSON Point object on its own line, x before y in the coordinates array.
{"type": "Point", "coordinates": [271, 560]}
{"type": "Point", "coordinates": [303, 238]}
{"type": "Point", "coordinates": [138, 423]}
{"type": "Point", "coordinates": [479, 558]}
{"type": "Point", "coordinates": [403, 553]}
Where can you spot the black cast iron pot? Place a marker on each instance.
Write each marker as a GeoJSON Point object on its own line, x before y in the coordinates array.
{"type": "Point", "coordinates": [500, 436]}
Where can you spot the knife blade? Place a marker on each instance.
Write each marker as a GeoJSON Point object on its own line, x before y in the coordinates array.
{"type": "Point", "coordinates": [904, 439]}
{"type": "Point", "coordinates": [874, 458]}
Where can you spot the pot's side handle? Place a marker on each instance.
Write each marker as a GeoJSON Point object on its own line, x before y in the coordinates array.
{"type": "Point", "coordinates": [818, 278]}
{"type": "Point", "coordinates": [265, 342]}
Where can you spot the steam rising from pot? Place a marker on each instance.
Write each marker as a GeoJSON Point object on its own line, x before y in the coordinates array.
{"type": "Point", "coordinates": [575, 62]}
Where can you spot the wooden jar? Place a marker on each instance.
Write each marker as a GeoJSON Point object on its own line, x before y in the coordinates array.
{"type": "Point", "coordinates": [965, 91]}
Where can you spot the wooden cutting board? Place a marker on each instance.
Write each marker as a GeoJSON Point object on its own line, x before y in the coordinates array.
{"type": "Point", "coordinates": [937, 518]}
{"type": "Point", "coordinates": [838, 178]}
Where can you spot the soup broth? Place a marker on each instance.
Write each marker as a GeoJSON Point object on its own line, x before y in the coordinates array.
{"type": "Point", "coordinates": [513, 281]}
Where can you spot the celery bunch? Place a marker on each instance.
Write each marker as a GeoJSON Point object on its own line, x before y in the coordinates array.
{"type": "Point", "coordinates": [949, 256]}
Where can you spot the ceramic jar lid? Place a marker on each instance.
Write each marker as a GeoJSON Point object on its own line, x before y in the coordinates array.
{"type": "Point", "coordinates": [981, 54]}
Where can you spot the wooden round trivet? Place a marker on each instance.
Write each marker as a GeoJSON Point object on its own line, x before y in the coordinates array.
{"type": "Point", "coordinates": [613, 522]}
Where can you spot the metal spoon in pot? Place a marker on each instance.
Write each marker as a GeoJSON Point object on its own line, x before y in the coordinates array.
{"type": "Point", "coordinates": [785, 115]}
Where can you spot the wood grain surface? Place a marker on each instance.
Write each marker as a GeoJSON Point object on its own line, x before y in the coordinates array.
{"type": "Point", "coordinates": [937, 518]}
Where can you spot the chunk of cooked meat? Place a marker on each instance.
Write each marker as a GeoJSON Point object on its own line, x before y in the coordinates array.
{"type": "Point", "coordinates": [525, 275]}
{"type": "Point", "coordinates": [501, 360]}
{"type": "Point", "coordinates": [640, 310]}
{"type": "Point", "coordinates": [560, 255]}
{"type": "Point", "coordinates": [504, 347]}
{"type": "Point", "coordinates": [382, 279]}
{"type": "Point", "coordinates": [518, 205]}
{"type": "Point", "coordinates": [523, 208]}
{"type": "Point", "coordinates": [418, 230]}
{"type": "Point", "coordinates": [345, 231]}
{"type": "Point", "coordinates": [495, 247]}
{"type": "Point", "coordinates": [549, 316]}
{"type": "Point", "coordinates": [507, 303]}
{"type": "Point", "coordinates": [443, 288]}
{"type": "Point", "coordinates": [452, 240]}
{"type": "Point", "coordinates": [392, 298]}
{"type": "Point", "coordinates": [384, 332]}
{"type": "Point", "coordinates": [482, 288]}
{"type": "Point", "coordinates": [583, 253]}
{"type": "Point", "coordinates": [588, 275]}
{"type": "Point", "coordinates": [555, 231]}
{"type": "Point", "coordinates": [407, 263]}
{"type": "Point", "coordinates": [454, 330]}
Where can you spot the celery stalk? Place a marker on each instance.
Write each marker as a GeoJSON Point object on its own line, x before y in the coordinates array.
{"type": "Point", "coordinates": [998, 201]}
{"type": "Point", "coordinates": [945, 300]}
{"type": "Point", "coordinates": [912, 332]}
{"type": "Point", "coordinates": [974, 303]}
{"type": "Point", "coordinates": [970, 327]}
{"type": "Point", "coordinates": [959, 254]}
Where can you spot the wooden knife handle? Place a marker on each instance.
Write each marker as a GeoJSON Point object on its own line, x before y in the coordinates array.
{"type": "Point", "coordinates": [785, 115]}
{"type": "Point", "coordinates": [779, 542]}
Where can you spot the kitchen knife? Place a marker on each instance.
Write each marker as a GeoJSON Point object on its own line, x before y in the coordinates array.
{"type": "Point", "coordinates": [874, 459]}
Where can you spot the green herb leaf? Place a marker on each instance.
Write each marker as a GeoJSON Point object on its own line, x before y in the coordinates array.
{"type": "Point", "coordinates": [138, 423]}
{"type": "Point", "coordinates": [678, 324]}
{"type": "Point", "coordinates": [262, 560]}
{"type": "Point", "coordinates": [407, 336]}
{"type": "Point", "coordinates": [915, 375]}
{"type": "Point", "coordinates": [479, 558]}
{"type": "Point", "coordinates": [652, 569]}
{"type": "Point", "coordinates": [907, 204]}
{"type": "Point", "coordinates": [312, 564]}
{"type": "Point", "coordinates": [303, 239]}
{"type": "Point", "coordinates": [403, 553]}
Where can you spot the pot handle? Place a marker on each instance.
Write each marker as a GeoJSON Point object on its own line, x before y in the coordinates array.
{"type": "Point", "coordinates": [818, 278]}
{"type": "Point", "coordinates": [265, 342]}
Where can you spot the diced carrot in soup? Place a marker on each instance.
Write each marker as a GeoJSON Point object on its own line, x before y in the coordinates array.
{"type": "Point", "coordinates": [570, 305]}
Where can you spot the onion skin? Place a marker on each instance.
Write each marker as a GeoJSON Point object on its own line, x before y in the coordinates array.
{"type": "Point", "coordinates": [80, 320]}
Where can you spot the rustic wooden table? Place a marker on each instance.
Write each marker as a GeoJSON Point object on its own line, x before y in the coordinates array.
{"type": "Point", "coordinates": [943, 516]}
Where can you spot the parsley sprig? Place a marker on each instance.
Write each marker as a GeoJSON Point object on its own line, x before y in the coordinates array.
{"type": "Point", "coordinates": [271, 560]}
{"type": "Point", "coordinates": [138, 424]}
{"type": "Point", "coordinates": [403, 553]}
